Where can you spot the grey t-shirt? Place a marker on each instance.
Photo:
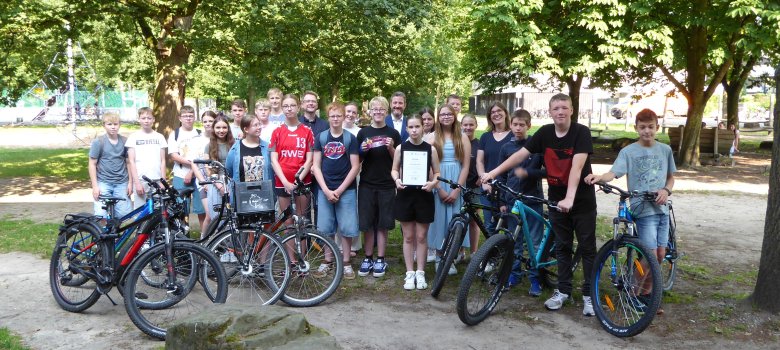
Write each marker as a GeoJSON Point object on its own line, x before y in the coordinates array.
{"type": "Point", "coordinates": [647, 168]}
{"type": "Point", "coordinates": [111, 159]}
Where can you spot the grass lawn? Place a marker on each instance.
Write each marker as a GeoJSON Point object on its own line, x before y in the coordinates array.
{"type": "Point", "coordinates": [10, 341]}
{"type": "Point", "coordinates": [68, 164]}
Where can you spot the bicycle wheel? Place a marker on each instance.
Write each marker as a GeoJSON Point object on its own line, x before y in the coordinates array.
{"type": "Point", "coordinates": [152, 308]}
{"type": "Point", "coordinates": [624, 301]}
{"type": "Point", "coordinates": [307, 287]}
{"type": "Point", "coordinates": [451, 247]}
{"type": "Point", "coordinates": [75, 251]}
{"type": "Point", "coordinates": [484, 279]}
{"type": "Point", "coordinates": [549, 273]}
{"type": "Point", "coordinates": [257, 266]}
{"type": "Point", "coordinates": [669, 264]}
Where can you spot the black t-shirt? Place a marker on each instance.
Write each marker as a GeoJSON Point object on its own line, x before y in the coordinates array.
{"type": "Point", "coordinates": [252, 163]}
{"type": "Point", "coordinates": [377, 161]}
{"type": "Point", "coordinates": [424, 147]}
{"type": "Point", "coordinates": [336, 162]}
{"type": "Point", "coordinates": [558, 154]}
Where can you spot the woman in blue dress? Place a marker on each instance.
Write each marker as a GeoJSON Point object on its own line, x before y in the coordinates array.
{"type": "Point", "coordinates": [454, 149]}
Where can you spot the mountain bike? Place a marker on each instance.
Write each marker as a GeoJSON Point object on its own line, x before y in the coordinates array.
{"type": "Point", "coordinates": [456, 231]}
{"type": "Point", "coordinates": [309, 251]}
{"type": "Point", "coordinates": [626, 286]}
{"type": "Point", "coordinates": [486, 276]}
{"type": "Point", "coordinates": [159, 284]}
{"type": "Point", "coordinates": [669, 264]}
{"type": "Point", "coordinates": [257, 266]}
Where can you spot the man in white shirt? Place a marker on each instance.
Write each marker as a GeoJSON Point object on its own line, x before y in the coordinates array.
{"type": "Point", "coordinates": [182, 146]}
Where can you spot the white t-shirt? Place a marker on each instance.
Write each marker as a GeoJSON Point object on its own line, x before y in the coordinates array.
{"type": "Point", "coordinates": [147, 148]}
{"type": "Point", "coordinates": [187, 147]}
{"type": "Point", "coordinates": [267, 131]}
{"type": "Point", "coordinates": [353, 130]}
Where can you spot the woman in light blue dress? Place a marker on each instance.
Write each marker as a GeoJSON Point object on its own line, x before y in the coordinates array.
{"type": "Point", "coordinates": [454, 150]}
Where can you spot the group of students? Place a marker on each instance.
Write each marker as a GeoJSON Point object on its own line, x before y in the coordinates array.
{"type": "Point", "coordinates": [276, 142]}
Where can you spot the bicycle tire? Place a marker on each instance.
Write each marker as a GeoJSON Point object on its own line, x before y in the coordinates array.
{"type": "Point", "coordinates": [549, 274]}
{"type": "Point", "coordinates": [259, 281]}
{"type": "Point", "coordinates": [183, 301]}
{"type": "Point", "coordinates": [481, 288]}
{"type": "Point", "coordinates": [304, 289]}
{"type": "Point", "coordinates": [620, 306]}
{"type": "Point", "coordinates": [669, 264]}
{"type": "Point", "coordinates": [72, 291]}
{"type": "Point", "coordinates": [452, 244]}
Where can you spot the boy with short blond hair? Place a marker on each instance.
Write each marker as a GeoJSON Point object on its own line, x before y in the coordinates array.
{"type": "Point", "coordinates": [276, 116]}
{"type": "Point", "coordinates": [146, 155]}
{"type": "Point", "coordinates": [262, 111]}
{"type": "Point", "coordinates": [108, 167]}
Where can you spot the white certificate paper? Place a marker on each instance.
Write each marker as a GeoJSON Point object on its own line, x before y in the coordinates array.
{"type": "Point", "coordinates": [415, 168]}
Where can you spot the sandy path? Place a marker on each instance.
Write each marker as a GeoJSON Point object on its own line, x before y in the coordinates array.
{"type": "Point", "coordinates": [713, 227]}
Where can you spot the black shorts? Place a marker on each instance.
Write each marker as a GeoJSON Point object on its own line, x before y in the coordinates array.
{"type": "Point", "coordinates": [414, 205]}
{"type": "Point", "coordinates": [376, 208]}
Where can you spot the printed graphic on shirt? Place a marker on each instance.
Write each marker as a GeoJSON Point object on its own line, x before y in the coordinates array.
{"type": "Point", "coordinates": [558, 163]}
{"type": "Point", "coordinates": [253, 168]}
{"type": "Point", "coordinates": [334, 150]}
{"type": "Point", "coordinates": [377, 141]}
{"type": "Point", "coordinates": [147, 142]}
{"type": "Point", "coordinates": [649, 167]}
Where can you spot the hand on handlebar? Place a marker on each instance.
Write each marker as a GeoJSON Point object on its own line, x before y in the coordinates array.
{"type": "Point", "coordinates": [565, 205]}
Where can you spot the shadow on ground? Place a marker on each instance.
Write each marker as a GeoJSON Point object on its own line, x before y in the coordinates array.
{"type": "Point", "coordinates": [25, 186]}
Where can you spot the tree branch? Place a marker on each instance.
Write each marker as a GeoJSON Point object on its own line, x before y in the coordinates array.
{"type": "Point", "coordinates": [668, 74]}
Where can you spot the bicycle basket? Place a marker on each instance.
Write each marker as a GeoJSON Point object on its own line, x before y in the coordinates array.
{"type": "Point", "coordinates": [255, 201]}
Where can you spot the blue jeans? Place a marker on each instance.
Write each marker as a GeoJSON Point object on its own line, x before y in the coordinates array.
{"type": "Point", "coordinates": [119, 190]}
{"type": "Point", "coordinates": [197, 204]}
{"type": "Point", "coordinates": [535, 229]}
{"type": "Point", "coordinates": [341, 215]}
{"type": "Point", "coordinates": [653, 230]}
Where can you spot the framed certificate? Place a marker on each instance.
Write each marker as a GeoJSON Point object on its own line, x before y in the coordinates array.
{"type": "Point", "coordinates": [415, 168]}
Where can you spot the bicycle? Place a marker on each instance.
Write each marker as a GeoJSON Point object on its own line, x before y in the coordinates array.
{"type": "Point", "coordinates": [89, 260]}
{"type": "Point", "coordinates": [669, 264]}
{"type": "Point", "coordinates": [623, 302]}
{"type": "Point", "coordinates": [307, 248]}
{"type": "Point", "coordinates": [456, 231]}
{"type": "Point", "coordinates": [257, 266]}
{"type": "Point", "coordinates": [482, 286]}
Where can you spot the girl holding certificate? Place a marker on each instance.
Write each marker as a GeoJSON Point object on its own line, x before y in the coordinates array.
{"type": "Point", "coordinates": [415, 168]}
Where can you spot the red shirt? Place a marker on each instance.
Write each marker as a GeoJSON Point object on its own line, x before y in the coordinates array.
{"type": "Point", "coordinates": [291, 148]}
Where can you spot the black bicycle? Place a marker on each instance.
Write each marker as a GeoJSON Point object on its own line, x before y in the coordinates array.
{"type": "Point", "coordinates": [456, 231]}
{"type": "Point", "coordinates": [158, 280]}
{"type": "Point", "coordinates": [669, 264]}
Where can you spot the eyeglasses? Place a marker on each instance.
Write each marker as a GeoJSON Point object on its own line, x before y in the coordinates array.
{"type": "Point", "coordinates": [309, 101]}
{"type": "Point", "coordinates": [378, 110]}
{"type": "Point", "coordinates": [188, 116]}
{"type": "Point", "coordinates": [289, 106]}
{"type": "Point", "coordinates": [446, 115]}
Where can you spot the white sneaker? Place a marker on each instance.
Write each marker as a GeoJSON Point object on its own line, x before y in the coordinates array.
{"type": "Point", "coordinates": [322, 271]}
{"type": "Point", "coordinates": [556, 301]}
{"type": "Point", "coordinates": [431, 255]}
{"type": "Point", "coordinates": [409, 280]}
{"type": "Point", "coordinates": [228, 257]}
{"type": "Point", "coordinates": [490, 266]}
{"type": "Point", "coordinates": [453, 270]}
{"type": "Point", "coordinates": [420, 277]}
{"type": "Point", "coordinates": [587, 308]}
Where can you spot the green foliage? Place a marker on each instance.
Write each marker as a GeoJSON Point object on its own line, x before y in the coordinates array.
{"type": "Point", "coordinates": [27, 236]}
{"type": "Point", "coordinates": [68, 164]}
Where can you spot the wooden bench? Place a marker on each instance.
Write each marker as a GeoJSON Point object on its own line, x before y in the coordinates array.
{"type": "Point", "coordinates": [595, 133]}
{"type": "Point", "coordinates": [713, 142]}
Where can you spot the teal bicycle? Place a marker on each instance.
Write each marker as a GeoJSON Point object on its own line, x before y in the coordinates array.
{"type": "Point", "coordinates": [486, 276]}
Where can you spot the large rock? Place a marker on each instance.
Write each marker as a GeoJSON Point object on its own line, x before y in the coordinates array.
{"type": "Point", "coordinates": [240, 327]}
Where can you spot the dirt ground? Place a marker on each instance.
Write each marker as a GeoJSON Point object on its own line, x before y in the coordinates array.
{"type": "Point", "coordinates": [720, 215]}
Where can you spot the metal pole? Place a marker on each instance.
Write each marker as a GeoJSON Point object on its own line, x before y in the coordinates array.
{"type": "Point", "coordinates": [71, 104]}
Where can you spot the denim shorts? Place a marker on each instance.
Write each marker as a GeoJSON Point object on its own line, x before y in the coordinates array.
{"type": "Point", "coordinates": [653, 230]}
{"type": "Point", "coordinates": [341, 215]}
{"type": "Point", "coordinates": [121, 208]}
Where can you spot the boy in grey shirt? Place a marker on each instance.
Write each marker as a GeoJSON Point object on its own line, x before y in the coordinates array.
{"type": "Point", "coordinates": [108, 167]}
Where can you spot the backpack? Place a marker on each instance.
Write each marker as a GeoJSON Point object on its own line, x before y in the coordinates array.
{"type": "Point", "coordinates": [103, 138]}
{"type": "Point", "coordinates": [347, 139]}
{"type": "Point", "coordinates": [176, 133]}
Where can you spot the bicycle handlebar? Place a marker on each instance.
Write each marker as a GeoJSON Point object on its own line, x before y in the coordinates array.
{"type": "Point", "coordinates": [523, 197]}
{"type": "Point", "coordinates": [607, 188]}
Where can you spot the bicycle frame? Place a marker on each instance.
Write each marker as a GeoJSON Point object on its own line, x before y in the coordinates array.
{"type": "Point", "coordinates": [535, 254]}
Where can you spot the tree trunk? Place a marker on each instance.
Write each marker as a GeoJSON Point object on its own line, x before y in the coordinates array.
{"type": "Point", "coordinates": [689, 148]}
{"type": "Point", "coordinates": [733, 91]}
{"type": "Point", "coordinates": [768, 281]}
{"type": "Point", "coordinates": [574, 83]}
{"type": "Point", "coordinates": [251, 98]}
{"type": "Point", "coordinates": [169, 89]}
